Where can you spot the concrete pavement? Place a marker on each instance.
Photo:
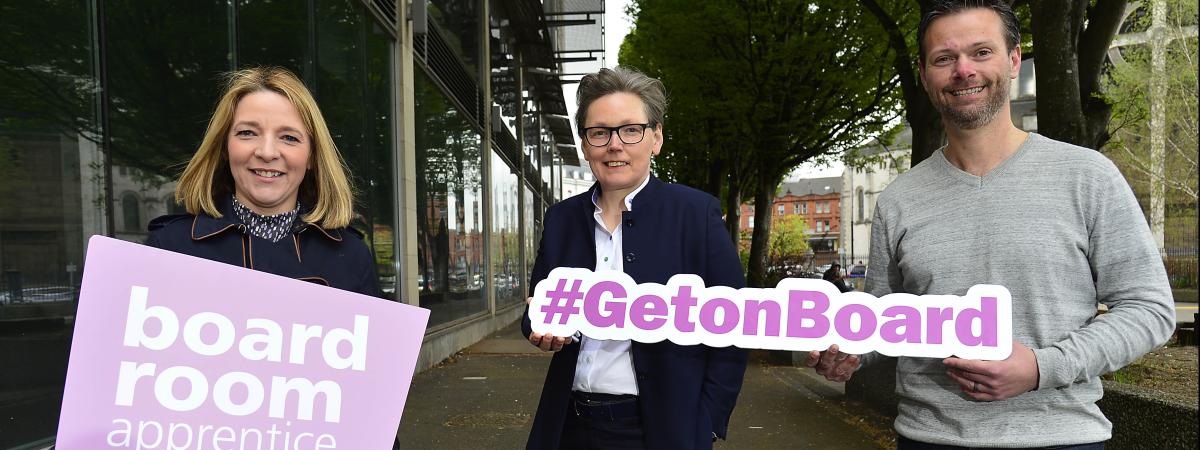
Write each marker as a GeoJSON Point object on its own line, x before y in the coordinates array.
{"type": "Point", "coordinates": [486, 396]}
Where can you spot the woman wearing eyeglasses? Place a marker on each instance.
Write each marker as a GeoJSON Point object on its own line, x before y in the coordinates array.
{"type": "Point", "coordinates": [620, 393]}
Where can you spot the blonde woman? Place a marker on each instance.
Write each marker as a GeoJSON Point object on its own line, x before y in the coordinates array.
{"type": "Point", "coordinates": [267, 189]}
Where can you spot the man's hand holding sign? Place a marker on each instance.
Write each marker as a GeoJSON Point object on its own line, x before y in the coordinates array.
{"type": "Point", "coordinates": [798, 315]}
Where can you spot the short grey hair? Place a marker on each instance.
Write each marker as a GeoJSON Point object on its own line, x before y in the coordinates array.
{"type": "Point", "coordinates": [621, 79]}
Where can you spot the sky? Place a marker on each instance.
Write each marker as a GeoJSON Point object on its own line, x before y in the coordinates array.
{"type": "Point", "coordinates": [616, 26]}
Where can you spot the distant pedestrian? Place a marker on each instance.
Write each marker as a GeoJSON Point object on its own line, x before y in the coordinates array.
{"type": "Point", "coordinates": [834, 275]}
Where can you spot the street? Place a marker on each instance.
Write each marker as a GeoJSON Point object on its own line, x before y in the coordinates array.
{"type": "Point", "coordinates": [487, 395]}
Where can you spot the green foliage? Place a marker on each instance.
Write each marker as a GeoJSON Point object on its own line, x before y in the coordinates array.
{"type": "Point", "coordinates": [789, 242]}
{"type": "Point", "coordinates": [758, 87]}
{"type": "Point", "coordinates": [773, 83]}
{"type": "Point", "coordinates": [1127, 88]}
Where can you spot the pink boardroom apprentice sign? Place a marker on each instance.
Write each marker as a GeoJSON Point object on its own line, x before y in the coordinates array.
{"type": "Point", "coordinates": [176, 352]}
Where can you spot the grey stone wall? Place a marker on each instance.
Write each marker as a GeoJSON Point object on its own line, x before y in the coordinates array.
{"type": "Point", "coordinates": [1142, 418]}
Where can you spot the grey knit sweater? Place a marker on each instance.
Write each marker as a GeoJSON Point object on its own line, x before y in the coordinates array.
{"type": "Point", "coordinates": [1060, 228]}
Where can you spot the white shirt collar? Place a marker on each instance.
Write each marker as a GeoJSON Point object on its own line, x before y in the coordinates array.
{"type": "Point", "coordinates": [628, 198]}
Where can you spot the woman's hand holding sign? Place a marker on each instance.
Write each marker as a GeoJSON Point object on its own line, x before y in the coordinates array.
{"type": "Point", "coordinates": [547, 342]}
{"type": "Point", "coordinates": [996, 380]}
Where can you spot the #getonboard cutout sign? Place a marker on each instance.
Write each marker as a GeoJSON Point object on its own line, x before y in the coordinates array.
{"type": "Point", "coordinates": [176, 352]}
{"type": "Point", "coordinates": [799, 314]}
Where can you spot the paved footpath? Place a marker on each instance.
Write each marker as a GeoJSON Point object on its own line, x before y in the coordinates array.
{"type": "Point", "coordinates": [486, 396]}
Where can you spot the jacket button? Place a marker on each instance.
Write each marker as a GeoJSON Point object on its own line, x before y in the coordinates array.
{"type": "Point", "coordinates": [630, 257]}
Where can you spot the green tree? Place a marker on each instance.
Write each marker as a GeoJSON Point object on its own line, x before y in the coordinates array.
{"type": "Point", "coordinates": [898, 20]}
{"type": "Point", "coordinates": [1168, 178]}
{"type": "Point", "coordinates": [759, 87]}
{"type": "Point", "coordinates": [1071, 39]}
{"type": "Point", "coordinates": [703, 148]}
{"type": "Point", "coordinates": [789, 243]}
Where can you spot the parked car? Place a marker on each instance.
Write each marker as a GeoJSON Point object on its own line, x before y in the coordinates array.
{"type": "Point", "coordinates": [41, 295]}
{"type": "Point", "coordinates": [858, 271]}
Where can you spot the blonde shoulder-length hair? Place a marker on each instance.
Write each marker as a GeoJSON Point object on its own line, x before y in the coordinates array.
{"type": "Point", "coordinates": [326, 188]}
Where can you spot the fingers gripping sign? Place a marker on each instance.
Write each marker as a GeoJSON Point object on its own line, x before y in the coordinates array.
{"type": "Point", "coordinates": [833, 364]}
{"type": "Point", "coordinates": [548, 342]}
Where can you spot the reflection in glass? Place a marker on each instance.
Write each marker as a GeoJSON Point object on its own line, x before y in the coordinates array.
{"type": "Point", "coordinates": [354, 74]}
{"type": "Point", "coordinates": [532, 231]}
{"type": "Point", "coordinates": [532, 148]}
{"type": "Point", "coordinates": [532, 125]}
{"type": "Point", "coordinates": [276, 33]}
{"type": "Point", "coordinates": [449, 211]}
{"type": "Point", "coordinates": [161, 93]}
{"type": "Point", "coordinates": [547, 158]}
{"type": "Point", "coordinates": [51, 201]}
{"type": "Point", "coordinates": [504, 74]}
{"type": "Point", "coordinates": [459, 19]}
{"type": "Point", "coordinates": [506, 245]}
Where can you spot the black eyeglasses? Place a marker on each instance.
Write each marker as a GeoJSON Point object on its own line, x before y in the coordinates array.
{"type": "Point", "coordinates": [630, 133]}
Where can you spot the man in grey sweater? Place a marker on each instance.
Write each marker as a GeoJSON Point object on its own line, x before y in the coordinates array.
{"type": "Point", "coordinates": [1054, 223]}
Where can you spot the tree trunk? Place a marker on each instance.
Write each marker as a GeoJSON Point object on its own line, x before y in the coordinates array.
{"type": "Point", "coordinates": [764, 196]}
{"type": "Point", "coordinates": [925, 121]}
{"type": "Point", "coordinates": [1104, 19]}
{"type": "Point", "coordinates": [928, 133]}
{"type": "Point", "coordinates": [1071, 60]}
{"type": "Point", "coordinates": [1158, 119]}
{"type": "Point", "coordinates": [1056, 26]}
{"type": "Point", "coordinates": [733, 212]}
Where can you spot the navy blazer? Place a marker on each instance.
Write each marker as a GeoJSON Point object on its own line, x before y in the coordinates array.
{"type": "Point", "coordinates": [686, 393]}
{"type": "Point", "coordinates": [336, 257]}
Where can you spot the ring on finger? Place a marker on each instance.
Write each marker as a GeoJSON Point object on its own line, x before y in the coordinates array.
{"type": "Point", "coordinates": [975, 387]}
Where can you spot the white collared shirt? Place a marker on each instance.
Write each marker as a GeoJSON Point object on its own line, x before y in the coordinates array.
{"type": "Point", "coordinates": [606, 366]}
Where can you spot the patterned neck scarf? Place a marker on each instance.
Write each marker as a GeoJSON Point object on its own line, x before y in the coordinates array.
{"type": "Point", "coordinates": [272, 228]}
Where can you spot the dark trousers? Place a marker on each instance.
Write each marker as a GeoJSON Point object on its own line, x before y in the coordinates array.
{"type": "Point", "coordinates": [903, 443]}
{"type": "Point", "coordinates": [592, 425]}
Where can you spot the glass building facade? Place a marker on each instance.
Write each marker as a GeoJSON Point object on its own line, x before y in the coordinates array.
{"type": "Point", "coordinates": [102, 103]}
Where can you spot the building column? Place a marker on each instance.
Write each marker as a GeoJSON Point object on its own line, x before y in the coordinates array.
{"type": "Point", "coordinates": [485, 85]}
{"type": "Point", "coordinates": [406, 160]}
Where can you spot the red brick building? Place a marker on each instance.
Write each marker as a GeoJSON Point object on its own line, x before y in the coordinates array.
{"type": "Point", "coordinates": [818, 201]}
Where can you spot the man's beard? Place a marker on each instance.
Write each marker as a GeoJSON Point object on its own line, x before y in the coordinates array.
{"type": "Point", "coordinates": [975, 116]}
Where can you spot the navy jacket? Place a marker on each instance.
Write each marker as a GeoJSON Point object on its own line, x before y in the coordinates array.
{"type": "Point", "coordinates": [337, 258]}
{"type": "Point", "coordinates": [686, 393]}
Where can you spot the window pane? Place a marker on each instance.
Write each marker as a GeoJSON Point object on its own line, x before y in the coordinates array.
{"type": "Point", "coordinates": [547, 148]}
{"type": "Point", "coordinates": [354, 75]}
{"type": "Point", "coordinates": [275, 33]}
{"type": "Point", "coordinates": [162, 92]}
{"type": "Point", "coordinates": [504, 75]}
{"type": "Point", "coordinates": [532, 231]}
{"type": "Point", "coordinates": [506, 247]}
{"type": "Point", "coordinates": [449, 232]}
{"type": "Point", "coordinates": [459, 19]}
{"type": "Point", "coordinates": [130, 212]}
{"type": "Point", "coordinates": [51, 201]}
{"type": "Point", "coordinates": [532, 136]}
